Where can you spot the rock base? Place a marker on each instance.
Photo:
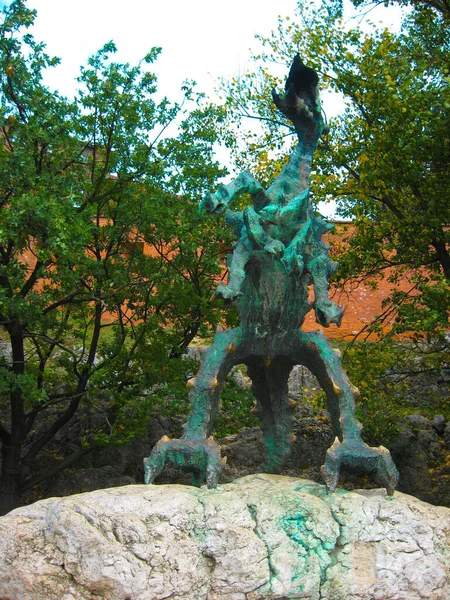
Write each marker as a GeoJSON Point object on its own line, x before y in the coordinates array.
{"type": "Point", "coordinates": [263, 536]}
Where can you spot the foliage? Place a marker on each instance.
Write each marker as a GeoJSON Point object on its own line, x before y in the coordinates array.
{"type": "Point", "coordinates": [385, 160]}
{"type": "Point", "coordinates": [85, 185]}
{"type": "Point", "coordinates": [385, 373]}
{"type": "Point", "coordinates": [393, 379]}
{"type": "Point", "coordinates": [237, 404]}
{"type": "Point", "coordinates": [379, 407]}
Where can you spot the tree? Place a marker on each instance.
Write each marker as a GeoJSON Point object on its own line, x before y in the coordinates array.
{"type": "Point", "coordinates": [86, 316]}
{"type": "Point", "coordinates": [386, 158]}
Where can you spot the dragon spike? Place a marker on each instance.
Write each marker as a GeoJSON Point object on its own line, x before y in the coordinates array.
{"type": "Point", "coordinates": [191, 382]}
{"type": "Point", "coordinates": [336, 388]}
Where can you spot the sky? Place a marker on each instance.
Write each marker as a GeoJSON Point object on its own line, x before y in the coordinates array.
{"type": "Point", "coordinates": [201, 40]}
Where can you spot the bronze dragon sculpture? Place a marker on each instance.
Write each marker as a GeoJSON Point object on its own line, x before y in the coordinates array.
{"type": "Point", "coordinates": [279, 255]}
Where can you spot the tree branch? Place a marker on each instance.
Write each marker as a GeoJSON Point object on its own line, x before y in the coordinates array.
{"type": "Point", "coordinates": [43, 475]}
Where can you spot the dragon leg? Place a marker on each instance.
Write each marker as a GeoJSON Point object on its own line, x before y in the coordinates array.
{"type": "Point", "coordinates": [196, 451]}
{"type": "Point", "coordinates": [348, 449]}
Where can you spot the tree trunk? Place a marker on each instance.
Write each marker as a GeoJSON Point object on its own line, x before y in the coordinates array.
{"type": "Point", "coordinates": [12, 443]}
{"type": "Point", "coordinates": [10, 496]}
{"type": "Point", "coordinates": [443, 255]}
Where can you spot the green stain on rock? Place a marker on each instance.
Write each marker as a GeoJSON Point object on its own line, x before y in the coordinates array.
{"type": "Point", "coordinates": [301, 530]}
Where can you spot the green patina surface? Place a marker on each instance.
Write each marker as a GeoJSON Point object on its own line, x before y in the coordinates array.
{"type": "Point", "coordinates": [308, 543]}
{"type": "Point", "coordinates": [279, 255]}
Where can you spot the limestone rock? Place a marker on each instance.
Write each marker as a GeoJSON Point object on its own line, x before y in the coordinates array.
{"type": "Point", "coordinates": [263, 536]}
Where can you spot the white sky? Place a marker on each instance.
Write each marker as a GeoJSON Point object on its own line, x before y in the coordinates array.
{"type": "Point", "coordinates": [200, 39]}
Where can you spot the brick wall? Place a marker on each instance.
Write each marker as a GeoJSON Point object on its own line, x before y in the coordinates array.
{"type": "Point", "coordinates": [362, 303]}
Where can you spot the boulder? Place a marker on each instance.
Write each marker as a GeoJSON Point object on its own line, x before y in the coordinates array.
{"type": "Point", "coordinates": [262, 536]}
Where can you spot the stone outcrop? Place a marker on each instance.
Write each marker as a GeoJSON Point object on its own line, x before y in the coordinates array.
{"type": "Point", "coordinates": [263, 536]}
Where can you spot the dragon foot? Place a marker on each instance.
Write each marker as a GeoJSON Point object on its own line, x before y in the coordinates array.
{"type": "Point", "coordinates": [356, 455]}
{"type": "Point", "coordinates": [200, 457]}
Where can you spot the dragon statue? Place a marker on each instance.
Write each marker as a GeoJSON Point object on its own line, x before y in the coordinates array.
{"type": "Point", "coordinates": [279, 255]}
